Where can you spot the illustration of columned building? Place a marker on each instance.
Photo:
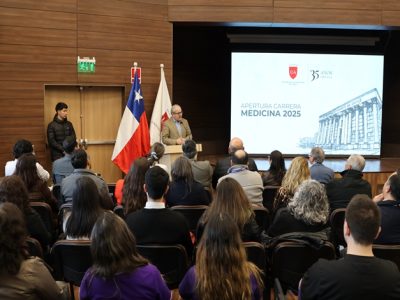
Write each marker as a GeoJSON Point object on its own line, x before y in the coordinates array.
{"type": "Point", "coordinates": [355, 124]}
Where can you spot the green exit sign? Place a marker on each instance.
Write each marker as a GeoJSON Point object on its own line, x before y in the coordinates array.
{"type": "Point", "coordinates": [86, 65]}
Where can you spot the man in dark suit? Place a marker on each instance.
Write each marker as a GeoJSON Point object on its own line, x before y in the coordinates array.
{"type": "Point", "coordinates": [155, 224]}
{"type": "Point", "coordinates": [318, 170]}
{"type": "Point", "coordinates": [340, 191]}
{"type": "Point", "coordinates": [222, 166]}
{"type": "Point", "coordinates": [176, 129]}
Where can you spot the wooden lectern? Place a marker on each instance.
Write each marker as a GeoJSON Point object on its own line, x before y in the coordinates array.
{"type": "Point", "coordinates": [173, 152]}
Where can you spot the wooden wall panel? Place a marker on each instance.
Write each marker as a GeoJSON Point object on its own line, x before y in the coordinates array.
{"type": "Point", "coordinates": [391, 4]}
{"type": "Point", "coordinates": [20, 90]}
{"type": "Point", "coordinates": [222, 2]}
{"type": "Point", "coordinates": [55, 5]}
{"type": "Point", "coordinates": [326, 16]}
{"type": "Point", "coordinates": [391, 18]}
{"type": "Point", "coordinates": [37, 18]}
{"type": "Point", "coordinates": [331, 4]}
{"type": "Point", "coordinates": [219, 14]}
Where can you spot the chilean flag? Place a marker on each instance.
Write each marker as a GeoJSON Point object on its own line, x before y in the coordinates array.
{"type": "Point", "coordinates": [133, 138]}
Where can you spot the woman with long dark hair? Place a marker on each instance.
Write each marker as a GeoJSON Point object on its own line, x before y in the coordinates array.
{"type": "Point", "coordinates": [222, 271]}
{"type": "Point", "coordinates": [21, 276]}
{"type": "Point", "coordinates": [85, 210]}
{"type": "Point", "coordinates": [13, 190]}
{"type": "Point", "coordinates": [276, 171]}
{"type": "Point", "coordinates": [118, 271]}
{"type": "Point", "coordinates": [184, 190]}
{"type": "Point", "coordinates": [133, 194]}
{"type": "Point", "coordinates": [231, 199]}
{"type": "Point", "coordinates": [37, 188]}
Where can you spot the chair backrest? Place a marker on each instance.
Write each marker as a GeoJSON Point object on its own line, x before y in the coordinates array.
{"type": "Point", "coordinates": [192, 214]}
{"type": "Point", "coordinates": [336, 220]}
{"type": "Point", "coordinates": [72, 258]}
{"type": "Point", "coordinates": [34, 247]}
{"type": "Point", "coordinates": [269, 196]}
{"type": "Point", "coordinates": [64, 209]}
{"type": "Point", "coordinates": [262, 216]}
{"type": "Point", "coordinates": [119, 211]}
{"type": "Point", "coordinates": [44, 210]}
{"type": "Point", "coordinates": [291, 259]}
{"type": "Point", "coordinates": [56, 190]}
{"type": "Point", "coordinates": [171, 260]}
{"type": "Point", "coordinates": [256, 254]}
{"type": "Point", "coordinates": [389, 252]}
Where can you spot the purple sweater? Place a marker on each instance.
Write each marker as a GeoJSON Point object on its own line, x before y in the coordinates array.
{"type": "Point", "coordinates": [142, 284]}
{"type": "Point", "coordinates": [188, 285]}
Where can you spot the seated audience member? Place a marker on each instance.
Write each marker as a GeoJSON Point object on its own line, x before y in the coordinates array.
{"type": "Point", "coordinates": [388, 204]}
{"type": "Point", "coordinates": [318, 170]}
{"type": "Point", "coordinates": [37, 188]}
{"type": "Point", "coordinates": [85, 210]}
{"type": "Point", "coordinates": [250, 181]}
{"type": "Point", "coordinates": [21, 276]}
{"type": "Point", "coordinates": [295, 175]}
{"type": "Point", "coordinates": [202, 170]}
{"type": "Point", "coordinates": [156, 153]}
{"type": "Point", "coordinates": [79, 161]}
{"type": "Point", "coordinates": [222, 271]}
{"type": "Point", "coordinates": [222, 166]}
{"type": "Point", "coordinates": [62, 167]}
{"type": "Point", "coordinates": [341, 190]}
{"type": "Point", "coordinates": [12, 189]}
{"type": "Point", "coordinates": [155, 224]}
{"type": "Point", "coordinates": [359, 275]}
{"type": "Point", "coordinates": [184, 189]}
{"type": "Point", "coordinates": [276, 171]}
{"type": "Point", "coordinates": [232, 200]}
{"type": "Point", "coordinates": [308, 211]}
{"type": "Point", "coordinates": [24, 147]}
{"type": "Point", "coordinates": [118, 271]}
{"type": "Point", "coordinates": [133, 194]}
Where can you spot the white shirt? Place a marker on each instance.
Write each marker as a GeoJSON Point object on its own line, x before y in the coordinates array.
{"type": "Point", "coordinates": [154, 205]}
{"type": "Point", "coordinates": [11, 165]}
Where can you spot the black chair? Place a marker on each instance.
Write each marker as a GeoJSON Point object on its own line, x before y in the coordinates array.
{"type": "Point", "coordinates": [336, 220]}
{"type": "Point", "coordinates": [171, 260]}
{"type": "Point", "coordinates": [72, 258]}
{"type": "Point", "coordinates": [119, 211]}
{"type": "Point", "coordinates": [291, 259]}
{"type": "Point", "coordinates": [34, 247]}
{"type": "Point", "coordinates": [192, 214]}
{"type": "Point", "coordinates": [64, 209]}
{"type": "Point", "coordinates": [256, 254]}
{"type": "Point", "coordinates": [57, 193]}
{"type": "Point", "coordinates": [269, 194]}
{"type": "Point", "coordinates": [389, 252]}
{"type": "Point", "coordinates": [262, 216]}
{"type": "Point", "coordinates": [46, 214]}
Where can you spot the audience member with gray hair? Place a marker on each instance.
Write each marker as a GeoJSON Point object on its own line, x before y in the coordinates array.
{"type": "Point", "coordinates": [341, 190]}
{"type": "Point", "coordinates": [318, 170]}
{"type": "Point", "coordinates": [308, 211]}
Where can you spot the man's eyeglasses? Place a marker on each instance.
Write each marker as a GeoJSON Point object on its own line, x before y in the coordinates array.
{"type": "Point", "coordinates": [177, 113]}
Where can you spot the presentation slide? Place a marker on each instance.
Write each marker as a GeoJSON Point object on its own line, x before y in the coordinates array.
{"type": "Point", "coordinates": [294, 101]}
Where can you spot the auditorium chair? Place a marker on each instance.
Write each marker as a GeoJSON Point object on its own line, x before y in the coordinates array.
{"type": "Point", "coordinates": [192, 213]}
{"type": "Point", "coordinates": [64, 209]}
{"type": "Point", "coordinates": [389, 252]}
{"type": "Point", "coordinates": [291, 259]}
{"type": "Point", "coordinates": [34, 248]}
{"type": "Point", "coordinates": [72, 258]}
{"type": "Point", "coordinates": [256, 254]}
{"type": "Point", "coordinates": [46, 214]}
{"type": "Point", "coordinates": [336, 220]}
{"type": "Point", "coordinates": [171, 260]}
{"type": "Point", "coordinates": [119, 211]}
{"type": "Point", "coordinates": [262, 216]}
{"type": "Point", "coordinates": [269, 196]}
